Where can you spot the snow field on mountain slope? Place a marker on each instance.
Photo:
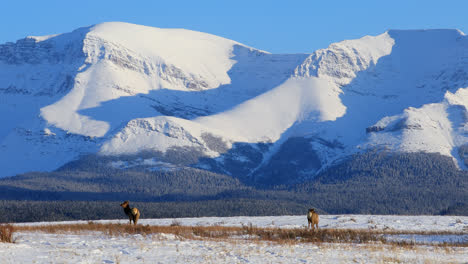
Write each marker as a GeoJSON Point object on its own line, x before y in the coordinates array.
{"type": "Point", "coordinates": [166, 130]}
{"type": "Point", "coordinates": [192, 83]}
{"type": "Point", "coordinates": [267, 116]}
{"type": "Point", "coordinates": [437, 127]}
{"type": "Point", "coordinates": [194, 52]}
{"type": "Point", "coordinates": [264, 118]}
{"type": "Point", "coordinates": [89, 247]}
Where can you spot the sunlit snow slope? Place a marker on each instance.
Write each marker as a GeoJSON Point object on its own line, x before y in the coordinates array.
{"type": "Point", "coordinates": [118, 88]}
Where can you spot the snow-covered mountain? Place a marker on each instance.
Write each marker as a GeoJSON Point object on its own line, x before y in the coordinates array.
{"type": "Point", "coordinates": [185, 97]}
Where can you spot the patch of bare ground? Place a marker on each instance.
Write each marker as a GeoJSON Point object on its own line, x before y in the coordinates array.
{"type": "Point", "coordinates": [250, 232]}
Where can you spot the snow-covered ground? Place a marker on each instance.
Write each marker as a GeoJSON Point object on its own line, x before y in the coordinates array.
{"type": "Point", "coordinates": [159, 248]}
{"type": "Point", "coordinates": [90, 247]}
{"type": "Point", "coordinates": [393, 222]}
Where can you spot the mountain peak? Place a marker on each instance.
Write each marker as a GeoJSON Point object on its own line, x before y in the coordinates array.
{"type": "Point", "coordinates": [119, 88]}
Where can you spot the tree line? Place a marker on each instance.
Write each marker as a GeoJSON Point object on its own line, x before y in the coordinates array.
{"type": "Point", "coordinates": [375, 182]}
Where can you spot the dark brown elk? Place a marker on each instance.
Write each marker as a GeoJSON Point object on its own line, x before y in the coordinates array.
{"type": "Point", "coordinates": [132, 213]}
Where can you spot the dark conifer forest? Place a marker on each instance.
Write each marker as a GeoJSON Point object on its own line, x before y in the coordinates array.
{"type": "Point", "coordinates": [376, 182]}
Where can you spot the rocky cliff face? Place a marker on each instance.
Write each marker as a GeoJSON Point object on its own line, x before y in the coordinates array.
{"type": "Point", "coordinates": [184, 97]}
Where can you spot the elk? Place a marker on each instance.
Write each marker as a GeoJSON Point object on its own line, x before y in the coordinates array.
{"type": "Point", "coordinates": [312, 219]}
{"type": "Point", "coordinates": [133, 213]}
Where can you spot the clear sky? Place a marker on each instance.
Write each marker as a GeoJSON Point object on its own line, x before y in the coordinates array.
{"type": "Point", "coordinates": [286, 26]}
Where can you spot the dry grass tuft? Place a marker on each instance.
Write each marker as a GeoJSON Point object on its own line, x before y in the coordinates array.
{"type": "Point", "coordinates": [6, 233]}
{"type": "Point", "coordinates": [250, 232]}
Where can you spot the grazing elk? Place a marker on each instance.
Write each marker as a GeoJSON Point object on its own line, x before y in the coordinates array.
{"type": "Point", "coordinates": [133, 213]}
{"type": "Point", "coordinates": [312, 219]}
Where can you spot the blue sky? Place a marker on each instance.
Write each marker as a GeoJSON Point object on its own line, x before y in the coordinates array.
{"type": "Point", "coordinates": [275, 26]}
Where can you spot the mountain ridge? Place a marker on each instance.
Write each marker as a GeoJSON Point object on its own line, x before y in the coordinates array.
{"type": "Point", "coordinates": [127, 88]}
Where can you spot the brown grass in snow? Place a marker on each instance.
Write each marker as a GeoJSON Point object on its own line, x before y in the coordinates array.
{"type": "Point", "coordinates": [248, 232]}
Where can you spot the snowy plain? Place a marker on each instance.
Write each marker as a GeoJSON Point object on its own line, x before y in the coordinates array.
{"type": "Point", "coordinates": [95, 247]}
